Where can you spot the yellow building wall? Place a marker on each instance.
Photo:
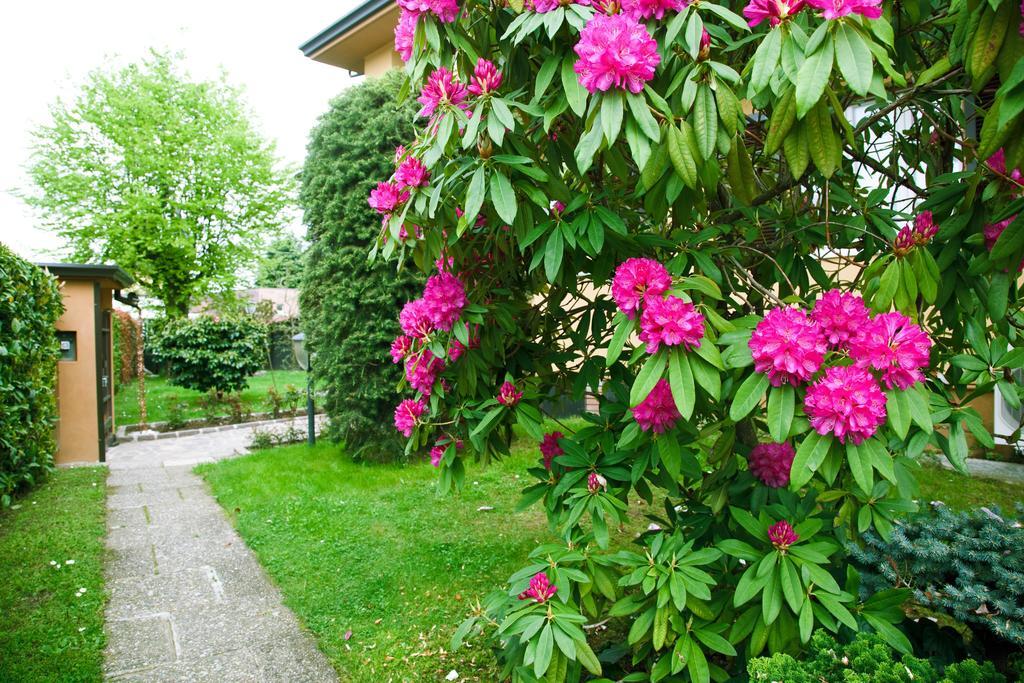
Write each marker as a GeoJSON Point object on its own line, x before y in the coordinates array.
{"type": "Point", "coordinates": [77, 430]}
{"type": "Point", "coordinates": [381, 60]}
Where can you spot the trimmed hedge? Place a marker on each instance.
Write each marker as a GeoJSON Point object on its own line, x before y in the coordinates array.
{"type": "Point", "coordinates": [349, 303]}
{"type": "Point", "coordinates": [30, 303]}
{"type": "Point", "coordinates": [210, 354]}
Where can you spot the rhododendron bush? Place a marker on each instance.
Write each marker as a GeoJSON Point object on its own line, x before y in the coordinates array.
{"type": "Point", "coordinates": [776, 245]}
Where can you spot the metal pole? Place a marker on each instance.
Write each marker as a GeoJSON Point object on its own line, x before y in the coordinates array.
{"type": "Point", "coordinates": [310, 417]}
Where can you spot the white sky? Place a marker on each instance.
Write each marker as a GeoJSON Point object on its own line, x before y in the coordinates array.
{"type": "Point", "coordinates": [47, 48]}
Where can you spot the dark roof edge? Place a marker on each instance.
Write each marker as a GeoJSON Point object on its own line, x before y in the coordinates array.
{"type": "Point", "coordinates": [343, 26]}
{"type": "Point", "coordinates": [89, 270]}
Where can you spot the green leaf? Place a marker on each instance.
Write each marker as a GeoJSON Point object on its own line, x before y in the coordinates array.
{"type": "Point", "coordinates": [854, 59]}
{"type": "Point", "coordinates": [575, 93]}
{"type": "Point", "coordinates": [1010, 242]}
{"type": "Point", "coordinates": [587, 147]}
{"type": "Point", "coordinates": [705, 121]}
{"type": "Point", "coordinates": [813, 77]}
{"type": "Point", "coordinates": [697, 664]}
{"type": "Point", "coordinates": [919, 409]}
{"type": "Point", "coordinates": [487, 423]}
{"type": "Point", "coordinates": [648, 376]}
{"type": "Point", "coordinates": [542, 656]}
{"type": "Point", "coordinates": [791, 587]}
{"type": "Point", "coordinates": [898, 407]}
{"type": "Point", "coordinates": [681, 156]}
{"type": "Point", "coordinates": [766, 58]}
{"type": "Point", "coordinates": [715, 642]}
{"type": "Point", "coordinates": [474, 194]}
{"type": "Point", "coordinates": [860, 466]}
{"type": "Point", "coordinates": [642, 115]}
{"type": "Point", "coordinates": [806, 621]}
{"type": "Point", "coordinates": [611, 115]}
{"type": "Point", "coordinates": [808, 459]}
{"type": "Point", "coordinates": [680, 377]}
{"type": "Point", "coordinates": [889, 633]}
{"type": "Point", "coordinates": [623, 328]}
{"type": "Point", "coordinates": [503, 197]}
{"type": "Point", "coordinates": [781, 406]}
{"type": "Point", "coordinates": [586, 657]}
{"type": "Point", "coordinates": [957, 448]}
{"type": "Point", "coordinates": [887, 287]}
{"type": "Point", "coordinates": [748, 396]}
{"type": "Point", "coordinates": [553, 251]}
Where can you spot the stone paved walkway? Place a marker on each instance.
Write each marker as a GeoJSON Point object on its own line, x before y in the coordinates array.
{"type": "Point", "coordinates": [188, 599]}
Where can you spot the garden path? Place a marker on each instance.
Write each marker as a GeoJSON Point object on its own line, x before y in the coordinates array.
{"type": "Point", "coordinates": [188, 600]}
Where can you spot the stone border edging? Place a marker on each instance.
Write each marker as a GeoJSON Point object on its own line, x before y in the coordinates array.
{"type": "Point", "coordinates": [128, 437]}
{"type": "Point", "coordinates": [1010, 472]}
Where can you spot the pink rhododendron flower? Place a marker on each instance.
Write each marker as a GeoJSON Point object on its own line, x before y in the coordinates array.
{"type": "Point", "coordinates": [651, 9]}
{"type": "Point", "coordinates": [994, 230]}
{"type": "Point", "coordinates": [411, 173]}
{"type": "Point", "coordinates": [893, 344]}
{"type": "Point", "coordinates": [445, 10]}
{"type": "Point", "coordinates": [775, 11]}
{"type": "Point", "coordinates": [846, 402]}
{"type": "Point", "coordinates": [440, 89]}
{"type": "Point", "coordinates": [437, 454]}
{"type": "Point", "coordinates": [658, 411]}
{"type": "Point", "coordinates": [545, 6]}
{"type": "Point", "coordinates": [635, 279]}
{"type": "Point", "coordinates": [386, 197]}
{"type": "Point", "coordinates": [781, 535]}
{"type": "Point", "coordinates": [997, 162]}
{"type": "Point", "coordinates": [407, 415]}
{"type": "Point", "coordinates": [550, 449]}
{"type": "Point", "coordinates": [840, 316]}
{"type": "Point", "coordinates": [415, 319]}
{"type": "Point", "coordinates": [540, 590]}
{"type": "Point", "coordinates": [615, 52]}
{"type": "Point", "coordinates": [596, 482]}
{"type": "Point", "coordinates": [771, 462]}
{"type": "Point", "coordinates": [486, 77]}
{"type": "Point", "coordinates": [924, 228]}
{"type": "Point", "coordinates": [672, 322]}
{"type": "Point", "coordinates": [834, 9]}
{"type": "Point", "coordinates": [421, 371]}
{"type": "Point", "coordinates": [787, 346]}
{"type": "Point", "coordinates": [445, 297]}
{"type": "Point", "coordinates": [400, 348]}
{"type": "Point", "coordinates": [405, 33]}
{"type": "Point", "coordinates": [904, 241]}
{"type": "Point", "coordinates": [508, 395]}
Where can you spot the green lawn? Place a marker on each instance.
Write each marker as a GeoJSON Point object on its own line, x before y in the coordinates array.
{"type": "Point", "coordinates": [161, 396]}
{"type": "Point", "coordinates": [372, 548]}
{"type": "Point", "coordinates": [51, 547]}
{"type": "Point", "coordinates": [958, 491]}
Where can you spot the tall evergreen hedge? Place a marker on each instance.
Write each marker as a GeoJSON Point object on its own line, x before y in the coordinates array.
{"type": "Point", "coordinates": [30, 304]}
{"type": "Point", "coordinates": [348, 303]}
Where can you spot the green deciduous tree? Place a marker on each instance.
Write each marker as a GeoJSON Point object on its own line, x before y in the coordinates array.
{"type": "Point", "coordinates": [281, 265]}
{"type": "Point", "coordinates": [162, 174]}
{"type": "Point", "coordinates": [347, 302]}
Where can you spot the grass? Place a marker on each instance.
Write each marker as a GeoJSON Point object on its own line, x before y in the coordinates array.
{"type": "Point", "coordinates": [966, 493]}
{"type": "Point", "coordinates": [161, 396]}
{"type": "Point", "coordinates": [372, 548]}
{"type": "Point", "coordinates": [51, 631]}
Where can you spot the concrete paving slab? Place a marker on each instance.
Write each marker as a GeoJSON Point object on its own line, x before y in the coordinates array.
{"type": "Point", "coordinates": [188, 600]}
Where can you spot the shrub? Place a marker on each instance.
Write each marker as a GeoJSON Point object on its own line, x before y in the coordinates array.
{"type": "Point", "coordinates": [30, 304]}
{"type": "Point", "coordinates": [868, 659]}
{"type": "Point", "coordinates": [206, 354]}
{"type": "Point", "coordinates": [127, 337]}
{"type": "Point", "coordinates": [776, 299]}
{"type": "Point", "coordinates": [967, 565]}
{"type": "Point", "coordinates": [347, 302]}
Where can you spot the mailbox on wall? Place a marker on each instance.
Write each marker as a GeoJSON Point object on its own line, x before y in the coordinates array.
{"type": "Point", "coordinates": [85, 387]}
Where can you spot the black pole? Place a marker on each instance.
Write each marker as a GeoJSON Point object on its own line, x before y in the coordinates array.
{"type": "Point", "coordinates": [310, 417]}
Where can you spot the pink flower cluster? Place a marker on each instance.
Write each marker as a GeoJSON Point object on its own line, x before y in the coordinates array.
{"type": "Point", "coordinates": [846, 402]}
{"type": "Point", "coordinates": [486, 78]}
{"type": "Point", "coordinates": [615, 52]}
{"type": "Point", "coordinates": [541, 590]}
{"type": "Point", "coordinates": [652, 9]}
{"type": "Point", "coordinates": [445, 10]}
{"type": "Point", "coordinates": [545, 6]}
{"type": "Point", "coordinates": [400, 348]}
{"type": "Point", "coordinates": [672, 322]}
{"type": "Point", "coordinates": [635, 279]}
{"type": "Point", "coordinates": [508, 395]}
{"type": "Point", "coordinates": [550, 449]}
{"type": "Point", "coordinates": [997, 162]}
{"type": "Point", "coordinates": [658, 411]}
{"type": "Point", "coordinates": [919, 234]}
{"type": "Point", "coordinates": [781, 535]}
{"type": "Point", "coordinates": [405, 33]}
{"type": "Point", "coordinates": [439, 449]}
{"type": "Point", "coordinates": [771, 462]}
{"type": "Point", "coordinates": [787, 346]}
{"type": "Point", "coordinates": [596, 482]}
{"type": "Point", "coordinates": [445, 296]}
{"type": "Point", "coordinates": [442, 88]}
{"type": "Point", "coordinates": [790, 347]}
{"type": "Point", "coordinates": [836, 9]}
{"type": "Point", "coordinates": [410, 172]}
{"type": "Point", "coordinates": [387, 197]}
{"type": "Point", "coordinates": [422, 370]}
{"type": "Point", "coordinates": [775, 11]}
{"type": "Point", "coordinates": [407, 415]}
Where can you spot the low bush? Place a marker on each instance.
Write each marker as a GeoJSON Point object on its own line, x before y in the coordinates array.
{"type": "Point", "coordinates": [207, 354]}
{"type": "Point", "coordinates": [127, 337]}
{"type": "Point", "coordinates": [30, 303]}
{"type": "Point", "coordinates": [965, 567]}
{"type": "Point", "coordinates": [865, 660]}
